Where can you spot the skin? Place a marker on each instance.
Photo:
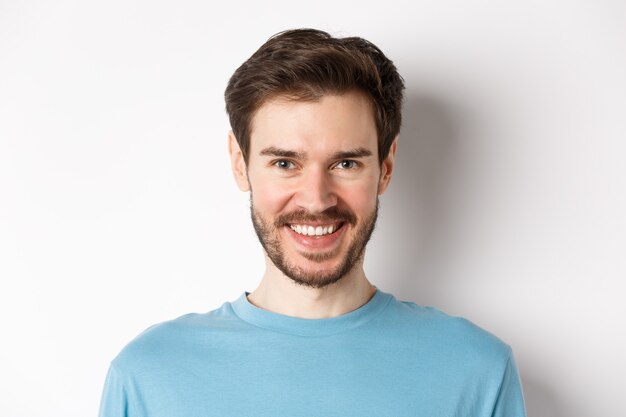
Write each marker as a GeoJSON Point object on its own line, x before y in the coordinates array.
{"type": "Point", "coordinates": [311, 159]}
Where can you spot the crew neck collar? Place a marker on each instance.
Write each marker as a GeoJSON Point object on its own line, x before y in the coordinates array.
{"type": "Point", "coordinates": [259, 317]}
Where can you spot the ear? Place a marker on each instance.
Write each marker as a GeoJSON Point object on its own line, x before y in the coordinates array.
{"type": "Point", "coordinates": [386, 168]}
{"type": "Point", "coordinates": [237, 163]}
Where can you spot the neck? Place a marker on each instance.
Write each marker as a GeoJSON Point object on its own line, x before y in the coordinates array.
{"type": "Point", "coordinates": [280, 294]}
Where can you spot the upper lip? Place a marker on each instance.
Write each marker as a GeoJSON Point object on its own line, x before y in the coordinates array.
{"type": "Point", "coordinates": [316, 223]}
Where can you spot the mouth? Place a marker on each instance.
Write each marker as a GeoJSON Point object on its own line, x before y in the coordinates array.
{"type": "Point", "coordinates": [316, 236]}
{"type": "Point", "coordinates": [316, 230]}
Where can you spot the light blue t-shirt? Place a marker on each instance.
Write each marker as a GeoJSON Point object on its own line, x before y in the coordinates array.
{"type": "Point", "coordinates": [387, 358]}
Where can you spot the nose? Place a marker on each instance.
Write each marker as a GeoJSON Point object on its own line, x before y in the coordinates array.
{"type": "Point", "coordinates": [316, 191]}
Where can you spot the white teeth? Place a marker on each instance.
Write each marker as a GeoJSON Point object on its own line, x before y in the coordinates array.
{"type": "Point", "coordinates": [313, 231]}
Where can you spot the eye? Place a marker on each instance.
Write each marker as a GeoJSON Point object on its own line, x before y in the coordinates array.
{"type": "Point", "coordinates": [347, 164]}
{"type": "Point", "coordinates": [283, 164]}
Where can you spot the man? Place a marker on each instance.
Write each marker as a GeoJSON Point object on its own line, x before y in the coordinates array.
{"type": "Point", "coordinates": [314, 121]}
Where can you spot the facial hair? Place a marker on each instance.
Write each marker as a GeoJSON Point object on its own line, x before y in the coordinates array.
{"type": "Point", "coordinates": [269, 235]}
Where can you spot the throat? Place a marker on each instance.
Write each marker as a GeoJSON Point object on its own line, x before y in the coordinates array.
{"type": "Point", "coordinates": [282, 296]}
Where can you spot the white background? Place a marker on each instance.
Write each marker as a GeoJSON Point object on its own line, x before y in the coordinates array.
{"type": "Point", "coordinates": [118, 209]}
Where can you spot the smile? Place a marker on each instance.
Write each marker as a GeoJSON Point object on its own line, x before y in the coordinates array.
{"type": "Point", "coordinates": [320, 230]}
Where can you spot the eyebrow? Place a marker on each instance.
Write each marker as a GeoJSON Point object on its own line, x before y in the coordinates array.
{"type": "Point", "coordinates": [353, 153]}
{"type": "Point", "coordinates": [284, 153]}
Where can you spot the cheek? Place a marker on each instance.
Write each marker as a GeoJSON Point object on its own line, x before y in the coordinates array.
{"type": "Point", "coordinates": [268, 196]}
{"type": "Point", "coordinates": [360, 198]}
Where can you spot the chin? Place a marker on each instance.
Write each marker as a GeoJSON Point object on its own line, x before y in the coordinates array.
{"type": "Point", "coordinates": [317, 279]}
{"type": "Point", "coordinates": [316, 274]}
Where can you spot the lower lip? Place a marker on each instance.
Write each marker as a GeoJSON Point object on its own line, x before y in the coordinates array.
{"type": "Point", "coordinates": [316, 242]}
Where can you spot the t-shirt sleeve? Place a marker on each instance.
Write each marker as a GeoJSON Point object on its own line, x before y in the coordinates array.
{"type": "Point", "coordinates": [114, 401]}
{"type": "Point", "coordinates": [510, 401]}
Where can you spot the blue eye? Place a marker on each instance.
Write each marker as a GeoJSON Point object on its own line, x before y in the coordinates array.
{"type": "Point", "coordinates": [283, 164]}
{"type": "Point", "coordinates": [347, 164]}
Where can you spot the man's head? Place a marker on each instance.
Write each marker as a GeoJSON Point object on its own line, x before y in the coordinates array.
{"type": "Point", "coordinates": [306, 64]}
{"type": "Point", "coordinates": [314, 123]}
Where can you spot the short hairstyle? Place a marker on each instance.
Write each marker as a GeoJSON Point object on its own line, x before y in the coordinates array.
{"type": "Point", "coordinates": [306, 64]}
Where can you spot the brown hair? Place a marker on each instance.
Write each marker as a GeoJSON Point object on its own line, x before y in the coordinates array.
{"type": "Point", "coordinates": [305, 64]}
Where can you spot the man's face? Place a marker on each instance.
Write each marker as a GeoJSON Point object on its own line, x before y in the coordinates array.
{"type": "Point", "coordinates": [314, 177]}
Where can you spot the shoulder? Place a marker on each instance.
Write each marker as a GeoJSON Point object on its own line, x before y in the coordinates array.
{"type": "Point", "coordinates": [172, 339]}
{"type": "Point", "coordinates": [456, 336]}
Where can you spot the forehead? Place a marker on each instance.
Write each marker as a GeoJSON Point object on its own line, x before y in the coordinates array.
{"type": "Point", "coordinates": [330, 124]}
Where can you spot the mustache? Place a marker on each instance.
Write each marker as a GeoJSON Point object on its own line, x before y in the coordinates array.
{"type": "Point", "coordinates": [333, 214]}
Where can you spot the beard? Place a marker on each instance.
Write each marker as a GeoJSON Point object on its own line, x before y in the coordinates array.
{"type": "Point", "coordinates": [268, 233]}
